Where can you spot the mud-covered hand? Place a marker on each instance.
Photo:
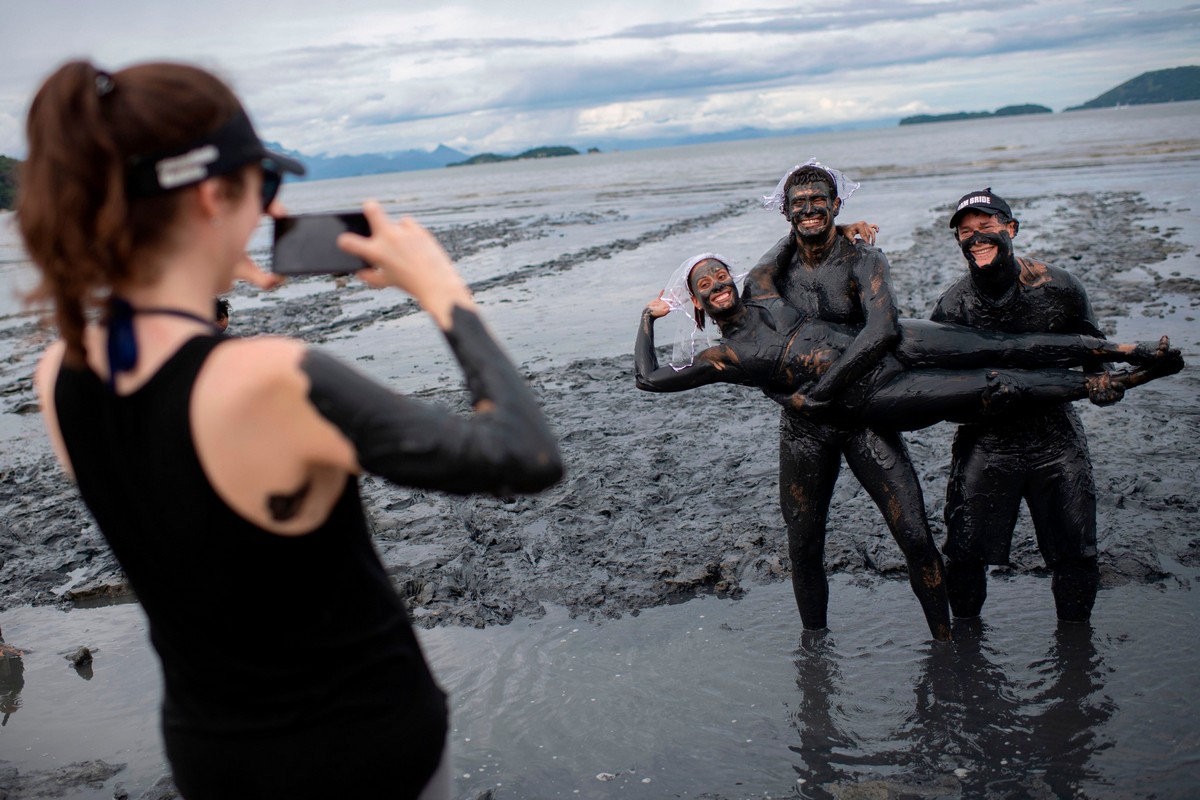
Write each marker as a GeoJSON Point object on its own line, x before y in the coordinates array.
{"type": "Point", "coordinates": [860, 230]}
{"type": "Point", "coordinates": [658, 307]}
{"type": "Point", "coordinates": [807, 405]}
{"type": "Point", "coordinates": [1101, 390]}
{"type": "Point", "coordinates": [799, 401]}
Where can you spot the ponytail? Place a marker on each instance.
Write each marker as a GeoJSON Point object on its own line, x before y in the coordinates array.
{"type": "Point", "coordinates": [77, 221]}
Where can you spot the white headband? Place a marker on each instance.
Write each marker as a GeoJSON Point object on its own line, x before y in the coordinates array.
{"type": "Point", "coordinates": [845, 187]}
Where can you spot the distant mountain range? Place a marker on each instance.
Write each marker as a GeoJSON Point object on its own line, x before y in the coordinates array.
{"type": "Point", "coordinates": [1161, 86]}
{"type": "Point", "coordinates": [320, 167]}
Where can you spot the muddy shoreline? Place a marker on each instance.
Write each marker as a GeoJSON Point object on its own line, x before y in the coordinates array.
{"type": "Point", "coordinates": [653, 510]}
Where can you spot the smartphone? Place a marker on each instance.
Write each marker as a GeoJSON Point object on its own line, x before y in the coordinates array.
{"type": "Point", "coordinates": [306, 244]}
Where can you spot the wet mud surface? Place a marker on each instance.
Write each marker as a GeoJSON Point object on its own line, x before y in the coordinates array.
{"type": "Point", "coordinates": [668, 496]}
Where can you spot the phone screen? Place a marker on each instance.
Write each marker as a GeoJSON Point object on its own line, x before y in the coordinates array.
{"type": "Point", "coordinates": [306, 244]}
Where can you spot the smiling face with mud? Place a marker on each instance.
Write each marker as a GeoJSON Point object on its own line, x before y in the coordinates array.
{"type": "Point", "coordinates": [985, 239]}
{"type": "Point", "coordinates": [811, 208]}
{"type": "Point", "coordinates": [713, 289]}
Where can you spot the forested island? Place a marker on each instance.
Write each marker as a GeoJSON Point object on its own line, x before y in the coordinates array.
{"type": "Point", "coordinates": [1007, 111]}
{"type": "Point", "coordinates": [537, 152]}
{"type": "Point", "coordinates": [8, 182]}
{"type": "Point", "coordinates": [1161, 86]}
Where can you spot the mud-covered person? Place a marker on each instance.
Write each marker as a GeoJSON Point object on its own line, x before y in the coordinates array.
{"type": "Point", "coordinates": [935, 372]}
{"type": "Point", "coordinates": [1041, 457]}
{"type": "Point", "coordinates": [222, 309]}
{"type": "Point", "coordinates": [826, 276]}
{"type": "Point", "coordinates": [223, 472]}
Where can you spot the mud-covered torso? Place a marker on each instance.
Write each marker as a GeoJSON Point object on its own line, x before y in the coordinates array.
{"type": "Point", "coordinates": [1044, 299]}
{"type": "Point", "coordinates": [831, 291]}
{"type": "Point", "coordinates": [779, 349]}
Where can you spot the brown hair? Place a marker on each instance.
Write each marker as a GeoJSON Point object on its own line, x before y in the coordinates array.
{"type": "Point", "coordinates": [84, 127]}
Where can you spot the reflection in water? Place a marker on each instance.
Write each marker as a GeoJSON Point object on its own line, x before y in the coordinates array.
{"type": "Point", "coordinates": [12, 680]}
{"type": "Point", "coordinates": [1069, 725]}
{"type": "Point", "coordinates": [973, 729]}
{"type": "Point", "coordinates": [818, 677]}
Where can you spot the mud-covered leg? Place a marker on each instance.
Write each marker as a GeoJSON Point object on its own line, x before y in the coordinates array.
{"type": "Point", "coordinates": [1169, 363]}
{"type": "Point", "coordinates": [808, 468]}
{"type": "Point", "coordinates": [1061, 496]}
{"type": "Point", "coordinates": [945, 346]}
{"type": "Point", "coordinates": [966, 586]}
{"type": "Point", "coordinates": [880, 461]}
{"type": "Point", "coordinates": [1074, 584]}
{"type": "Point", "coordinates": [983, 497]}
{"type": "Point", "coordinates": [1158, 356]}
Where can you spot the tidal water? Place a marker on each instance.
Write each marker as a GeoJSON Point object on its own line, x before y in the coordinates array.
{"type": "Point", "coordinates": [719, 698]}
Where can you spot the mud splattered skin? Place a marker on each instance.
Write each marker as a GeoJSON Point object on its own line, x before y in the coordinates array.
{"type": "Point", "coordinates": [845, 283]}
{"type": "Point", "coordinates": [1039, 456]}
{"type": "Point", "coordinates": [935, 372]}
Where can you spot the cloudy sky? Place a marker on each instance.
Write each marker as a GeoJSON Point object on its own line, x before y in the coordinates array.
{"type": "Point", "coordinates": [354, 76]}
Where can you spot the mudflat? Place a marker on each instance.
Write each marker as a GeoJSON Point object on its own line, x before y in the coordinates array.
{"type": "Point", "coordinates": [668, 496]}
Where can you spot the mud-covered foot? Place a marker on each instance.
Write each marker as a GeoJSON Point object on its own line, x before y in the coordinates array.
{"type": "Point", "coordinates": [1147, 353]}
{"type": "Point", "coordinates": [1169, 364]}
{"type": "Point", "coordinates": [1167, 360]}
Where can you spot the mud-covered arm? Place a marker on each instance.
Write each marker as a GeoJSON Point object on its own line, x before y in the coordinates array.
{"type": "Point", "coordinates": [879, 334]}
{"type": "Point", "coordinates": [707, 367]}
{"type": "Point", "coordinates": [505, 447]}
{"type": "Point", "coordinates": [762, 280]}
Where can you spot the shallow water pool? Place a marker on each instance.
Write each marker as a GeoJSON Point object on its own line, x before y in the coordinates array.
{"type": "Point", "coordinates": [719, 698]}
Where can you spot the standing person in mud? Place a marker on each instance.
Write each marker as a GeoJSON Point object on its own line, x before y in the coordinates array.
{"type": "Point", "coordinates": [223, 472]}
{"type": "Point", "coordinates": [1041, 457]}
{"type": "Point", "coordinates": [826, 277]}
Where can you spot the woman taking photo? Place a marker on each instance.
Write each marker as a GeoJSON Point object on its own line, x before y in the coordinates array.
{"type": "Point", "coordinates": [223, 472]}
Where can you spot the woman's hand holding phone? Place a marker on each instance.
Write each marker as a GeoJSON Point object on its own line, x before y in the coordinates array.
{"type": "Point", "coordinates": [405, 255]}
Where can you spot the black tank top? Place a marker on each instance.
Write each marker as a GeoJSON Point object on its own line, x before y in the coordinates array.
{"type": "Point", "coordinates": [257, 633]}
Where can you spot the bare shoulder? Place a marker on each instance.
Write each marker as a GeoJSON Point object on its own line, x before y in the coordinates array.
{"type": "Point", "coordinates": [248, 366]}
{"type": "Point", "coordinates": [248, 382]}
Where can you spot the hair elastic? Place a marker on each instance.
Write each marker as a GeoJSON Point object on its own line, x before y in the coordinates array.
{"type": "Point", "coordinates": [104, 84]}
